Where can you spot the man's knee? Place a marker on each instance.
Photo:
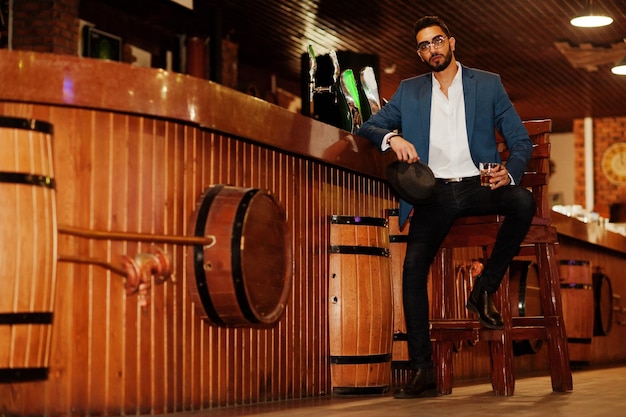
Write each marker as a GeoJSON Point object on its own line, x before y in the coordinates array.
{"type": "Point", "coordinates": [522, 201]}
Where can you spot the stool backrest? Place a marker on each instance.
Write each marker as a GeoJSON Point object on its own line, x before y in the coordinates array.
{"type": "Point", "coordinates": [537, 172]}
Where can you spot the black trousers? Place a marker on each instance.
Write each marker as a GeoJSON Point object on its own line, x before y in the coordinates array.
{"type": "Point", "coordinates": [429, 226]}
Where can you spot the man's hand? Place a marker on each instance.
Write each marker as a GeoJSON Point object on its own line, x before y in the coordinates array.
{"type": "Point", "coordinates": [500, 177]}
{"type": "Point", "coordinates": [405, 151]}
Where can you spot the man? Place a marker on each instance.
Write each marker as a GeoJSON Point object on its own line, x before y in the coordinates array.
{"type": "Point", "coordinates": [447, 119]}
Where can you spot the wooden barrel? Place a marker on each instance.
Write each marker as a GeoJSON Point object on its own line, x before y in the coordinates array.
{"type": "Point", "coordinates": [525, 300]}
{"type": "Point", "coordinates": [602, 304]}
{"type": "Point", "coordinates": [244, 278]}
{"type": "Point", "coordinates": [29, 248]}
{"type": "Point", "coordinates": [397, 250]}
{"type": "Point", "coordinates": [360, 311]}
{"type": "Point", "coordinates": [577, 298]}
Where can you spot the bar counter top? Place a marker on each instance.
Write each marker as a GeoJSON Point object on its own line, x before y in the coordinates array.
{"type": "Point", "coordinates": [62, 80]}
{"type": "Point", "coordinates": [42, 78]}
{"type": "Point", "coordinates": [590, 232]}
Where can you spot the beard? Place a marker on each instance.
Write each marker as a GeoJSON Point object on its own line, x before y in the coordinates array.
{"type": "Point", "coordinates": [447, 58]}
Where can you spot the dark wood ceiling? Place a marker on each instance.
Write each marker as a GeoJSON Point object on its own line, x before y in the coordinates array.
{"type": "Point", "coordinates": [515, 38]}
{"type": "Point", "coordinates": [519, 39]}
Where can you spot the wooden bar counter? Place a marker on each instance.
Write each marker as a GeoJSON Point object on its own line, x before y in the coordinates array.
{"type": "Point", "coordinates": [133, 149]}
{"type": "Point", "coordinates": [606, 252]}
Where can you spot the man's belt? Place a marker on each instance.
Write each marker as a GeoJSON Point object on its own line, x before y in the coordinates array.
{"type": "Point", "coordinates": [458, 179]}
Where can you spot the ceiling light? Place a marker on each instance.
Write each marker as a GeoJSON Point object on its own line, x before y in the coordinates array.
{"type": "Point", "coordinates": [620, 67]}
{"type": "Point", "coordinates": [591, 17]}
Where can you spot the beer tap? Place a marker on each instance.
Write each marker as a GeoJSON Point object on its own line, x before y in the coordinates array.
{"type": "Point", "coordinates": [350, 93]}
{"type": "Point", "coordinates": [312, 72]}
{"type": "Point", "coordinates": [370, 88]}
{"type": "Point", "coordinates": [313, 88]}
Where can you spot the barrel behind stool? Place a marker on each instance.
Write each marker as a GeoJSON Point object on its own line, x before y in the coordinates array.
{"type": "Point", "coordinates": [400, 365]}
{"type": "Point", "coordinates": [602, 304]}
{"type": "Point", "coordinates": [525, 300]}
{"type": "Point", "coordinates": [577, 296]}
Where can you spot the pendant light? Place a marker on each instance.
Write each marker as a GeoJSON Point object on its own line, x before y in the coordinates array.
{"type": "Point", "coordinates": [591, 17]}
{"type": "Point", "coordinates": [620, 67]}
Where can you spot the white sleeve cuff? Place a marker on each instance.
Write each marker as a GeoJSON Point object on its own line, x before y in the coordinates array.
{"type": "Point", "coordinates": [384, 146]}
{"type": "Point", "coordinates": [512, 180]}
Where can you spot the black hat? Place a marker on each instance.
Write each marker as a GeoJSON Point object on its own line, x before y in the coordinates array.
{"type": "Point", "coordinates": [414, 182]}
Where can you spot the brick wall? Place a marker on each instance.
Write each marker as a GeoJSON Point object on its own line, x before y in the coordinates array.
{"type": "Point", "coordinates": [46, 26]}
{"type": "Point", "coordinates": [606, 131]}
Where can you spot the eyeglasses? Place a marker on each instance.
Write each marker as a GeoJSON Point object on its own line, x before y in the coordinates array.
{"type": "Point", "coordinates": [436, 42]}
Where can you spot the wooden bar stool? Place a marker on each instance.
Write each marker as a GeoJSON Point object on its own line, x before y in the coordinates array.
{"type": "Point", "coordinates": [540, 242]}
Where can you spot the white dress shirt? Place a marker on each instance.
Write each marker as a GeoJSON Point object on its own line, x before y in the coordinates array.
{"type": "Point", "coordinates": [449, 154]}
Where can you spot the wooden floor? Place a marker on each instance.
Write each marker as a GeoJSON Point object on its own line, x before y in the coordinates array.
{"type": "Point", "coordinates": [597, 392]}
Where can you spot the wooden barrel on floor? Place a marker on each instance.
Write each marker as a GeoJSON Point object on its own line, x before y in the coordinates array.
{"type": "Point", "coordinates": [577, 299]}
{"type": "Point", "coordinates": [525, 300]}
{"type": "Point", "coordinates": [28, 245]}
{"type": "Point", "coordinates": [397, 249]}
{"type": "Point", "coordinates": [602, 304]}
{"type": "Point", "coordinates": [244, 278]}
{"type": "Point", "coordinates": [360, 311]}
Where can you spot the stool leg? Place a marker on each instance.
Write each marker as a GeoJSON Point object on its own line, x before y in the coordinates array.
{"type": "Point", "coordinates": [501, 351]}
{"type": "Point", "coordinates": [441, 306]}
{"type": "Point", "coordinates": [558, 353]}
{"type": "Point", "coordinates": [442, 352]}
{"type": "Point", "coordinates": [502, 367]}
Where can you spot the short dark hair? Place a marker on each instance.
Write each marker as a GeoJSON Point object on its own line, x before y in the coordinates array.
{"type": "Point", "coordinates": [428, 21]}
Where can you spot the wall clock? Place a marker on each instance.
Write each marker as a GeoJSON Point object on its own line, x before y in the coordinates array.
{"type": "Point", "coordinates": [613, 163]}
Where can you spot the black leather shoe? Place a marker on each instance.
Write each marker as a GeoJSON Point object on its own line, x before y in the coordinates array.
{"type": "Point", "coordinates": [481, 303]}
{"type": "Point", "coordinates": [420, 385]}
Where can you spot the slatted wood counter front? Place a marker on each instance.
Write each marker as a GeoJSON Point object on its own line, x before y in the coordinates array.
{"type": "Point", "coordinates": [133, 149]}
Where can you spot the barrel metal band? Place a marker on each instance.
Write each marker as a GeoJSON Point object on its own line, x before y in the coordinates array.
{"type": "Point", "coordinates": [235, 250]}
{"type": "Point", "coordinates": [573, 262]}
{"type": "Point", "coordinates": [26, 124]}
{"type": "Point", "coordinates": [359, 250]}
{"type": "Point", "coordinates": [400, 337]}
{"type": "Point", "coordinates": [359, 221]}
{"type": "Point", "coordinates": [198, 255]}
{"type": "Point", "coordinates": [398, 238]}
{"type": "Point", "coordinates": [361, 390]}
{"type": "Point", "coordinates": [26, 318]}
{"type": "Point", "coordinates": [23, 374]}
{"type": "Point", "coordinates": [401, 366]}
{"type": "Point", "coordinates": [27, 179]}
{"type": "Point", "coordinates": [523, 286]}
{"type": "Point", "coordinates": [579, 340]}
{"type": "Point", "coordinates": [578, 286]}
{"type": "Point", "coordinates": [360, 359]}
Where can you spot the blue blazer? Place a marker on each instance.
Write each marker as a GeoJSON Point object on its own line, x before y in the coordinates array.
{"type": "Point", "coordinates": [487, 109]}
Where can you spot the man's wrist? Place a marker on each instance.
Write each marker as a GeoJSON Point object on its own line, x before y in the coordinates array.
{"type": "Point", "coordinates": [512, 181]}
{"type": "Point", "coordinates": [388, 140]}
